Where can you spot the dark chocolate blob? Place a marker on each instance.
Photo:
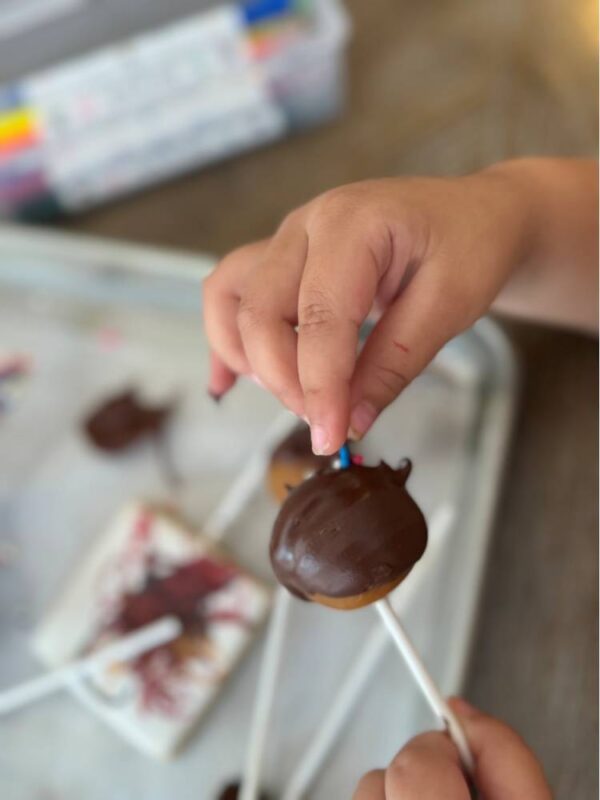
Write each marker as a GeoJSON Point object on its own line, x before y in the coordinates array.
{"type": "Point", "coordinates": [232, 791]}
{"type": "Point", "coordinates": [297, 447]}
{"type": "Point", "coordinates": [122, 420]}
{"type": "Point", "coordinates": [344, 532]}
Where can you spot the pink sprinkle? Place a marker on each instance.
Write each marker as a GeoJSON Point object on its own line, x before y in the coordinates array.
{"type": "Point", "coordinates": [142, 526]}
{"type": "Point", "coordinates": [14, 366]}
{"type": "Point", "coordinates": [110, 338]}
{"type": "Point", "coordinates": [358, 460]}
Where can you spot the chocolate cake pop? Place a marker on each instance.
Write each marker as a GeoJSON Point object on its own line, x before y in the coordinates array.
{"type": "Point", "coordinates": [122, 420]}
{"type": "Point", "coordinates": [292, 461]}
{"type": "Point", "coordinates": [347, 537]}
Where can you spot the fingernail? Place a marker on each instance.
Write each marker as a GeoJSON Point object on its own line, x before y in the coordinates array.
{"type": "Point", "coordinates": [363, 416]}
{"type": "Point", "coordinates": [214, 396]}
{"type": "Point", "coordinates": [464, 708]}
{"type": "Point", "coordinates": [320, 440]}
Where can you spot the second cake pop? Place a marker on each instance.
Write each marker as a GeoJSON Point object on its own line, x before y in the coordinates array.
{"type": "Point", "coordinates": [292, 461]}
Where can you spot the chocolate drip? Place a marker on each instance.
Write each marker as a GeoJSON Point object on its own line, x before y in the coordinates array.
{"type": "Point", "coordinates": [122, 420]}
{"type": "Point", "coordinates": [344, 532]}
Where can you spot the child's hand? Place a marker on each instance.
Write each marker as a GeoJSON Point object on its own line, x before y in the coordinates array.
{"type": "Point", "coordinates": [429, 254]}
{"type": "Point", "coordinates": [428, 767]}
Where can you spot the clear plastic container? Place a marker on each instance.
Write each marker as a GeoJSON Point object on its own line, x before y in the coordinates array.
{"type": "Point", "coordinates": [196, 89]}
{"type": "Point", "coordinates": [308, 79]}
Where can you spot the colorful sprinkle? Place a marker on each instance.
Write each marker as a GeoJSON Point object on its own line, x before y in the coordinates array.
{"type": "Point", "coordinates": [345, 457]}
{"type": "Point", "coordinates": [110, 339]}
{"type": "Point", "coordinates": [14, 368]}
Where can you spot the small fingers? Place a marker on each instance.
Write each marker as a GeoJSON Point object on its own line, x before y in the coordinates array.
{"type": "Point", "coordinates": [268, 313]}
{"type": "Point", "coordinates": [347, 255]}
{"type": "Point", "coordinates": [427, 768]}
{"type": "Point", "coordinates": [220, 379]}
{"type": "Point", "coordinates": [371, 786]}
{"type": "Point", "coordinates": [221, 297]}
{"type": "Point", "coordinates": [505, 767]}
{"type": "Point", "coordinates": [403, 342]}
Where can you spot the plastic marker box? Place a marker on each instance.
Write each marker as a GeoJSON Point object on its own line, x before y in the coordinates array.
{"type": "Point", "coordinates": [169, 96]}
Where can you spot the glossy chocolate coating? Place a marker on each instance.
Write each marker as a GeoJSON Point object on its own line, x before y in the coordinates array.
{"type": "Point", "coordinates": [122, 420]}
{"type": "Point", "coordinates": [344, 532]}
{"type": "Point", "coordinates": [297, 447]}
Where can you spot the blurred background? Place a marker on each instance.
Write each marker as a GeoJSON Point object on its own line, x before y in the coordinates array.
{"type": "Point", "coordinates": [134, 143]}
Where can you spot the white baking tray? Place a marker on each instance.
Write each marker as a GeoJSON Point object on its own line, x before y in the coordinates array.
{"type": "Point", "coordinates": [61, 300]}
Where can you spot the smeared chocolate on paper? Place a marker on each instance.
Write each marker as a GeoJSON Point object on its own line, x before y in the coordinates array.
{"type": "Point", "coordinates": [185, 594]}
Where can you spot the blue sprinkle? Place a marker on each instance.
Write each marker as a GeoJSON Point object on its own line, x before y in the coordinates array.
{"type": "Point", "coordinates": [260, 11]}
{"type": "Point", "coordinates": [345, 459]}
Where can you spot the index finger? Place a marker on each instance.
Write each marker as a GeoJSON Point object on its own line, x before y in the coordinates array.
{"type": "Point", "coordinates": [343, 268]}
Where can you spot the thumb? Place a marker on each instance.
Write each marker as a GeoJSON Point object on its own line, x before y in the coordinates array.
{"type": "Point", "coordinates": [505, 767]}
{"type": "Point", "coordinates": [408, 335]}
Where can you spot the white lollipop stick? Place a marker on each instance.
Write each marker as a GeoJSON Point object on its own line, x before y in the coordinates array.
{"type": "Point", "coordinates": [357, 676]}
{"type": "Point", "coordinates": [125, 649]}
{"type": "Point", "coordinates": [431, 692]}
{"type": "Point", "coordinates": [265, 695]}
{"type": "Point", "coordinates": [244, 485]}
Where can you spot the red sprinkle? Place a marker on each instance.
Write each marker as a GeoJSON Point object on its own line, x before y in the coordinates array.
{"type": "Point", "coordinates": [142, 526]}
{"type": "Point", "coordinates": [110, 338]}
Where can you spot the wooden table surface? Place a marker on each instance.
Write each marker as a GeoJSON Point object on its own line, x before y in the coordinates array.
{"type": "Point", "coordinates": [442, 88]}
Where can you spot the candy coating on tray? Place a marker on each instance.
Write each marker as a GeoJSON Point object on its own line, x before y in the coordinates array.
{"type": "Point", "coordinates": [123, 420]}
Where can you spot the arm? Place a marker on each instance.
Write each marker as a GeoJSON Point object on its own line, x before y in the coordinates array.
{"type": "Point", "coordinates": [558, 282]}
